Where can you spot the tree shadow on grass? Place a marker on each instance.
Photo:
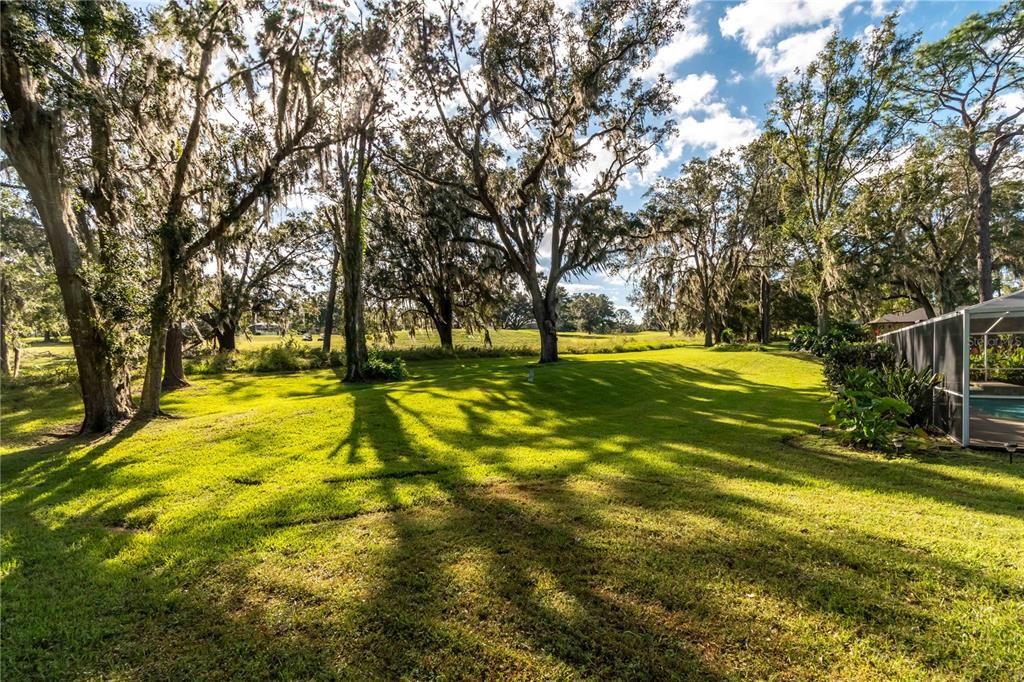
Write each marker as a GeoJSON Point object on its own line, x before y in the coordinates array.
{"type": "Point", "coordinates": [627, 554]}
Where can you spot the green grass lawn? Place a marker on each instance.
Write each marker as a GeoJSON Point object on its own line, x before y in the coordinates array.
{"type": "Point", "coordinates": [638, 515]}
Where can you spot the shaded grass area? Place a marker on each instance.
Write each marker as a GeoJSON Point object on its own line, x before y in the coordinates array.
{"type": "Point", "coordinates": [627, 516]}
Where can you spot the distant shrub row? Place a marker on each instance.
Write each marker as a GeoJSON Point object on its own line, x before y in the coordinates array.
{"type": "Point", "coordinates": [292, 356]}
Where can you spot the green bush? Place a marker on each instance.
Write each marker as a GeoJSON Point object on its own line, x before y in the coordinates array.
{"type": "Point", "coordinates": [864, 414]}
{"type": "Point", "coordinates": [215, 363]}
{"type": "Point", "coordinates": [803, 338]}
{"type": "Point", "coordinates": [386, 370]}
{"type": "Point", "coordinates": [728, 336]}
{"type": "Point", "coordinates": [838, 334]}
{"type": "Point", "coordinates": [914, 388]}
{"type": "Point", "coordinates": [60, 374]}
{"type": "Point", "coordinates": [1005, 363]}
{"type": "Point", "coordinates": [869, 355]}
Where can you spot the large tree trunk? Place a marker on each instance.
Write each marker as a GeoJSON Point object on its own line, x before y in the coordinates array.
{"type": "Point", "coordinates": [983, 218]}
{"type": "Point", "coordinates": [32, 141]}
{"type": "Point", "coordinates": [764, 310]}
{"type": "Point", "coordinates": [159, 322]}
{"type": "Point", "coordinates": [174, 368]}
{"type": "Point", "coordinates": [821, 311]}
{"type": "Point", "coordinates": [355, 328]}
{"type": "Point", "coordinates": [709, 326]}
{"type": "Point", "coordinates": [5, 368]}
{"type": "Point", "coordinates": [443, 318]}
{"type": "Point", "coordinates": [227, 336]}
{"type": "Point", "coordinates": [545, 312]}
{"type": "Point", "coordinates": [332, 296]}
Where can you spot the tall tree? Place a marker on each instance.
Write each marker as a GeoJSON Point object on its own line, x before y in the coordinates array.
{"type": "Point", "coordinates": [424, 249]}
{"type": "Point", "coordinates": [66, 69]}
{"type": "Point", "coordinates": [915, 226]}
{"type": "Point", "coordinates": [972, 75]}
{"type": "Point", "coordinates": [831, 124]}
{"type": "Point", "coordinates": [272, 85]}
{"type": "Point", "coordinates": [535, 100]}
{"type": "Point", "coordinates": [696, 239]}
{"type": "Point", "coordinates": [362, 62]}
{"type": "Point", "coordinates": [762, 183]}
{"type": "Point", "coordinates": [254, 262]}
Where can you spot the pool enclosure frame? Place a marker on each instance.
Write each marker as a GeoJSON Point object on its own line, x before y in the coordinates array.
{"type": "Point", "coordinates": [943, 345]}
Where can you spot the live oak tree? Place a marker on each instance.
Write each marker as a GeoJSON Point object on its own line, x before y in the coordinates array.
{"type": "Point", "coordinates": [362, 58]}
{"type": "Point", "coordinates": [969, 77]}
{"type": "Point", "coordinates": [531, 101]}
{"type": "Point", "coordinates": [696, 243]}
{"type": "Point", "coordinates": [831, 124]}
{"type": "Point", "coordinates": [257, 263]}
{"type": "Point", "coordinates": [29, 297]}
{"type": "Point", "coordinates": [424, 249]}
{"type": "Point", "coordinates": [762, 181]}
{"type": "Point", "coordinates": [915, 223]}
{"type": "Point", "coordinates": [270, 88]}
{"type": "Point", "coordinates": [68, 71]}
{"type": "Point", "coordinates": [589, 312]}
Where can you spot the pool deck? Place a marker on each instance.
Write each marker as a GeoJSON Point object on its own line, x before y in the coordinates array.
{"type": "Point", "coordinates": [992, 432]}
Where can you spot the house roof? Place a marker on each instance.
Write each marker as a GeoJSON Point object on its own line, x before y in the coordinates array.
{"type": "Point", "coordinates": [913, 317]}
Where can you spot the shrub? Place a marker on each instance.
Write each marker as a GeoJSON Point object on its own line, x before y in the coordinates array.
{"type": "Point", "coordinates": [838, 334]}
{"type": "Point", "coordinates": [728, 336]}
{"type": "Point", "coordinates": [216, 363]}
{"type": "Point", "coordinates": [58, 374]}
{"type": "Point", "coordinates": [863, 413]}
{"type": "Point", "coordinates": [803, 338]}
{"type": "Point", "coordinates": [870, 355]}
{"type": "Point", "coordinates": [913, 388]}
{"type": "Point", "coordinates": [386, 370]}
{"type": "Point", "coordinates": [1005, 363]}
{"type": "Point", "coordinates": [286, 356]}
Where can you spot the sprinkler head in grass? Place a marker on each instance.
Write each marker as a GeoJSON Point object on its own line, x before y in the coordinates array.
{"type": "Point", "coordinates": [531, 374]}
{"type": "Point", "coordinates": [1010, 449]}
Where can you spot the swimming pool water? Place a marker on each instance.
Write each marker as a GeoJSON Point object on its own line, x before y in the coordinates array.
{"type": "Point", "coordinates": [1000, 408]}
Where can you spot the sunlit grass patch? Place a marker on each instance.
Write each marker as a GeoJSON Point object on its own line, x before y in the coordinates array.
{"type": "Point", "coordinates": [640, 515]}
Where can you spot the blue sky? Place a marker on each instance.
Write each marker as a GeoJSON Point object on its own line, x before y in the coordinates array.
{"type": "Point", "coordinates": [727, 61]}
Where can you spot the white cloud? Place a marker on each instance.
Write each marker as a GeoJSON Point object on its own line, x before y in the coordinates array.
{"type": "Point", "coordinates": [755, 22]}
{"type": "Point", "coordinates": [683, 46]}
{"type": "Point", "coordinates": [795, 52]}
{"type": "Point", "coordinates": [758, 24]}
{"type": "Point", "coordinates": [693, 91]}
{"type": "Point", "coordinates": [717, 129]}
{"type": "Point", "coordinates": [710, 126]}
{"type": "Point", "coordinates": [581, 287]}
{"type": "Point", "coordinates": [1011, 102]}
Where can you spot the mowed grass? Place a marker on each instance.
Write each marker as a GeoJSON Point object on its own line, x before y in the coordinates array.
{"type": "Point", "coordinates": [630, 516]}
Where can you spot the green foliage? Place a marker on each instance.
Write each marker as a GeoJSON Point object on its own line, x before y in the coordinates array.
{"type": "Point", "coordinates": [869, 355]}
{"type": "Point", "coordinates": [865, 415]}
{"type": "Point", "coordinates": [915, 388]}
{"type": "Point", "coordinates": [587, 312]}
{"type": "Point", "coordinates": [803, 337]}
{"type": "Point", "coordinates": [728, 336]}
{"type": "Point", "coordinates": [1005, 362]}
{"type": "Point", "coordinates": [838, 334]}
{"type": "Point", "coordinates": [377, 367]}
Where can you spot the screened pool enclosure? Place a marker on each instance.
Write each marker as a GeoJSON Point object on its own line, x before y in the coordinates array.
{"type": "Point", "coordinates": [979, 351]}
